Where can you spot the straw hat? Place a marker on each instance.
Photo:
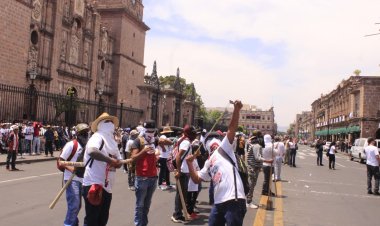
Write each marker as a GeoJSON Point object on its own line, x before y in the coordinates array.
{"type": "Point", "coordinates": [166, 130]}
{"type": "Point", "coordinates": [104, 116]}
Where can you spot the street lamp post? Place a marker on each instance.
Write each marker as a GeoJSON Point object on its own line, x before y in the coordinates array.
{"type": "Point", "coordinates": [121, 113]}
{"type": "Point", "coordinates": [33, 75]}
{"type": "Point", "coordinates": [100, 93]}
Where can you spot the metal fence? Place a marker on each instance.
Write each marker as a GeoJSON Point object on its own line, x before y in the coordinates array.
{"type": "Point", "coordinates": [20, 104]}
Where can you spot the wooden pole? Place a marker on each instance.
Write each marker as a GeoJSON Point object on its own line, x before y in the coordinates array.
{"type": "Point", "coordinates": [61, 192]}
{"type": "Point", "coordinates": [184, 209]}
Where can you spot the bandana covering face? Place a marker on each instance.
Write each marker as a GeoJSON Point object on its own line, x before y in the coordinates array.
{"type": "Point", "coordinates": [106, 130]}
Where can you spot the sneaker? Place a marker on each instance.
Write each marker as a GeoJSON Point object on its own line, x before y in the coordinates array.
{"type": "Point", "coordinates": [132, 188]}
{"type": "Point", "coordinates": [252, 206]}
{"type": "Point", "coordinates": [15, 169]}
{"type": "Point", "coordinates": [194, 216]}
{"type": "Point", "coordinates": [180, 219]}
{"type": "Point", "coordinates": [376, 193]}
{"type": "Point", "coordinates": [370, 192]}
{"type": "Point", "coordinates": [7, 168]}
{"type": "Point", "coordinates": [196, 209]}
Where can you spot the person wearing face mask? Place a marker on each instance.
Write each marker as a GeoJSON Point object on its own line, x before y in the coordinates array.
{"type": "Point", "coordinates": [143, 154]}
{"type": "Point", "coordinates": [101, 157]}
{"type": "Point", "coordinates": [73, 151]}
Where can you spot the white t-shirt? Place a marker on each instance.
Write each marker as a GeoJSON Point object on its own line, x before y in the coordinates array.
{"type": "Point", "coordinates": [222, 175]}
{"type": "Point", "coordinates": [66, 152]}
{"type": "Point", "coordinates": [96, 174]}
{"type": "Point", "coordinates": [185, 145]}
{"type": "Point", "coordinates": [168, 148]}
{"type": "Point", "coordinates": [279, 149]}
{"type": "Point", "coordinates": [268, 154]}
{"type": "Point", "coordinates": [128, 146]}
{"type": "Point", "coordinates": [28, 131]}
{"type": "Point", "coordinates": [332, 150]}
{"type": "Point", "coordinates": [193, 186]}
{"type": "Point", "coordinates": [371, 152]}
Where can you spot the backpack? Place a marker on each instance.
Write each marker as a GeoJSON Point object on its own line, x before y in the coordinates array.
{"type": "Point", "coordinates": [73, 151]}
{"type": "Point", "coordinates": [242, 170]}
{"type": "Point", "coordinates": [171, 160]}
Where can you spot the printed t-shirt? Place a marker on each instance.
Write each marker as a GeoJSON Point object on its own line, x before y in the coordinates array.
{"type": "Point", "coordinates": [371, 152]}
{"type": "Point", "coordinates": [95, 173]}
{"type": "Point", "coordinates": [222, 175]}
{"type": "Point", "coordinates": [66, 152]}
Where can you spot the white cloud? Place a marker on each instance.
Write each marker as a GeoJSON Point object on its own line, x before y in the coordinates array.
{"type": "Point", "coordinates": [321, 43]}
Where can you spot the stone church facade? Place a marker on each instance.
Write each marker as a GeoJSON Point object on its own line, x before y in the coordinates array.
{"type": "Point", "coordinates": [96, 47]}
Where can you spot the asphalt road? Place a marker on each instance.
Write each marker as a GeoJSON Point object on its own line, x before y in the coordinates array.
{"type": "Point", "coordinates": [309, 195]}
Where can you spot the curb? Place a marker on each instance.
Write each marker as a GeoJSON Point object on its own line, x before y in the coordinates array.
{"type": "Point", "coordinates": [28, 161]}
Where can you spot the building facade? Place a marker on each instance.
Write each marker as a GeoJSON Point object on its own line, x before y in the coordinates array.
{"type": "Point", "coordinates": [303, 127]}
{"type": "Point", "coordinates": [350, 111]}
{"type": "Point", "coordinates": [93, 47]}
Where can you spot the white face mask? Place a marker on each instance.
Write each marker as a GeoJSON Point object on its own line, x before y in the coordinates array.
{"type": "Point", "coordinates": [108, 127]}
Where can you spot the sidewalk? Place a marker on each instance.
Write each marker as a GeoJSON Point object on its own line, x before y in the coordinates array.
{"type": "Point", "coordinates": [29, 158]}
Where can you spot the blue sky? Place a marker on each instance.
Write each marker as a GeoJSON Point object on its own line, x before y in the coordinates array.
{"type": "Point", "coordinates": [264, 52]}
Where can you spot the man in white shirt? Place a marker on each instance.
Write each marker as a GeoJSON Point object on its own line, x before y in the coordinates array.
{"type": "Point", "coordinates": [268, 156]}
{"type": "Point", "coordinates": [164, 147]}
{"type": "Point", "coordinates": [279, 151]}
{"type": "Point", "coordinates": [373, 160]}
{"type": "Point", "coordinates": [102, 157]}
{"type": "Point", "coordinates": [230, 202]}
{"type": "Point", "coordinates": [28, 132]}
{"type": "Point", "coordinates": [70, 152]}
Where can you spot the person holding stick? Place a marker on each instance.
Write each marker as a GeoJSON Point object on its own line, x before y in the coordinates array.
{"type": "Point", "coordinates": [182, 173]}
{"type": "Point", "coordinates": [101, 157]}
{"type": "Point", "coordinates": [71, 151]}
{"type": "Point", "coordinates": [230, 201]}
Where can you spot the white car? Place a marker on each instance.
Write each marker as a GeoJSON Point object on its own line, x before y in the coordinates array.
{"type": "Point", "coordinates": [326, 146]}
{"type": "Point", "coordinates": [357, 150]}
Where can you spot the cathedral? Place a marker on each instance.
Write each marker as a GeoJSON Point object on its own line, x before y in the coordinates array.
{"type": "Point", "coordinates": [89, 51]}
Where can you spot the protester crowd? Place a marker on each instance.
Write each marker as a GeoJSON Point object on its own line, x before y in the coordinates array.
{"type": "Point", "coordinates": [163, 159]}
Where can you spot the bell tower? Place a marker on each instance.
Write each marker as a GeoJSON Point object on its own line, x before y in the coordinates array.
{"type": "Point", "coordinates": [124, 20]}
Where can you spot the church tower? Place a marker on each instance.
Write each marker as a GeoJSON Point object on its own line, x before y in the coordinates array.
{"type": "Point", "coordinates": [123, 19]}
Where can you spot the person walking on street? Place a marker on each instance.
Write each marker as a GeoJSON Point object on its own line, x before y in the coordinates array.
{"type": "Point", "coordinates": [12, 142]}
{"type": "Point", "coordinates": [372, 162]}
{"type": "Point", "coordinates": [279, 151]}
{"type": "Point", "coordinates": [255, 164]}
{"type": "Point", "coordinates": [102, 157]}
{"type": "Point", "coordinates": [331, 155]}
{"type": "Point", "coordinates": [319, 151]}
{"type": "Point", "coordinates": [230, 202]}
{"type": "Point", "coordinates": [293, 152]}
{"type": "Point", "coordinates": [73, 151]}
{"type": "Point", "coordinates": [49, 138]}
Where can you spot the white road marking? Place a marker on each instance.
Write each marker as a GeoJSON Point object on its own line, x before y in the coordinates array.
{"type": "Point", "coordinates": [333, 193]}
{"type": "Point", "coordinates": [340, 165]}
{"type": "Point", "coordinates": [27, 178]}
{"type": "Point", "coordinates": [334, 183]}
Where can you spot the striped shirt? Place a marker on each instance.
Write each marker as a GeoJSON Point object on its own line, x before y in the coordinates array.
{"type": "Point", "coordinates": [254, 156]}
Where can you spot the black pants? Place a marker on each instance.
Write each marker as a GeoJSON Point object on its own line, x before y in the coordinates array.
{"type": "Point", "coordinates": [292, 159]}
{"type": "Point", "coordinates": [96, 215]}
{"type": "Point", "coordinates": [267, 177]}
{"type": "Point", "coordinates": [332, 161]}
{"type": "Point", "coordinates": [49, 147]}
{"type": "Point", "coordinates": [373, 171]}
{"type": "Point", "coordinates": [164, 174]}
{"type": "Point", "coordinates": [11, 158]}
{"type": "Point", "coordinates": [319, 157]}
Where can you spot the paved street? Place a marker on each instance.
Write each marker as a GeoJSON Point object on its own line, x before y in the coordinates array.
{"type": "Point", "coordinates": [310, 195]}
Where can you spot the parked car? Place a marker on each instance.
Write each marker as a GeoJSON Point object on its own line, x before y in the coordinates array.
{"type": "Point", "coordinates": [326, 146]}
{"type": "Point", "coordinates": [357, 149]}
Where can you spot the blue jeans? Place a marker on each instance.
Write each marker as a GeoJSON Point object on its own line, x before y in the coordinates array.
{"type": "Point", "coordinates": [230, 213]}
{"type": "Point", "coordinates": [73, 198]}
{"type": "Point", "coordinates": [145, 187]}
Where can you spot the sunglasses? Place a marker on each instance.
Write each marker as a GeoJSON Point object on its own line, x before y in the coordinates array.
{"type": "Point", "coordinates": [108, 121]}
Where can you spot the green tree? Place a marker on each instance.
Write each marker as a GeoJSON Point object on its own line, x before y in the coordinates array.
{"type": "Point", "coordinates": [357, 72]}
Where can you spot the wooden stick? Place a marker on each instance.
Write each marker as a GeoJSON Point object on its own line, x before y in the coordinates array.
{"type": "Point", "coordinates": [61, 192]}
{"type": "Point", "coordinates": [82, 164]}
{"type": "Point", "coordinates": [184, 209]}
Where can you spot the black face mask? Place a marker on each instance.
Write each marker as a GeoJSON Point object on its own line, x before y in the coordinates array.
{"type": "Point", "coordinates": [83, 139]}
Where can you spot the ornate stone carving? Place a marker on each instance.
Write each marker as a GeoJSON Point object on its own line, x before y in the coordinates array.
{"type": "Point", "coordinates": [66, 9]}
{"type": "Point", "coordinates": [32, 58]}
{"type": "Point", "coordinates": [75, 42]}
{"type": "Point", "coordinates": [85, 54]}
{"type": "Point", "coordinates": [63, 46]}
{"type": "Point", "coordinates": [79, 7]}
{"type": "Point", "coordinates": [37, 10]}
{"type": "Point", "coordinates": [89, 20]}
{"type": "Point", "coordinates": [104, 42]}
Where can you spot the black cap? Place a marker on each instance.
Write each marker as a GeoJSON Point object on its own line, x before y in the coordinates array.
{"type": "Point", "coordinates": [150, 124]}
